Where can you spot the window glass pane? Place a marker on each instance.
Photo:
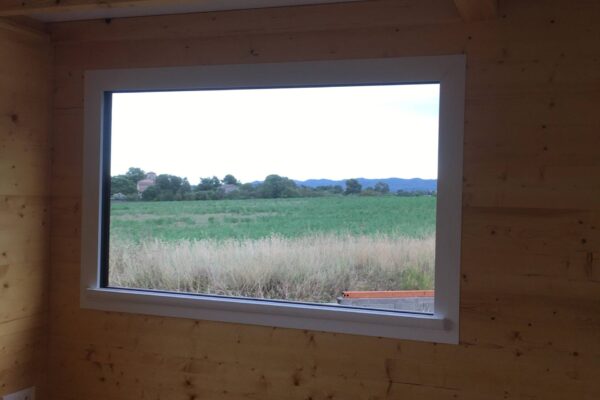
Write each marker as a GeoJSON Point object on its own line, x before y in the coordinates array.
{"type": "Point", "coordinates": [320, 195]}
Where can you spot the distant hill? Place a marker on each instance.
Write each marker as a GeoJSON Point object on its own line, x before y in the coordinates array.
{"type": "Point", "coordinates": [395, 184]}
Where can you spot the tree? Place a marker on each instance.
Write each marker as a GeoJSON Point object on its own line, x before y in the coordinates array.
{"type": "Point", "coordinates": [208, 184]}
{"type": "Point", "coordinates": [382, 187]}
{"type": "Point", "coordinates": [184, 190]}
{"type": "Point", "coordinates": [216, 182]}
{"type": "Point", "coordinates": [150, 194]}
{"type": "Point", "coordinates": [247, 191]}
{"type": "Point", "coordinates": [337, 189]}
{"type": "Point", "coordinates": [205, 184]}
{"type": "Point", "coordinates": [185, 186]}
{"type": "Point", "coordinates": [230, 180]}
{"type": "Point", "coordinates": [353, 187]}
{"type": "Point", "coordinates": [168, 186]}
{"type": "Point", "coordinates": [170, 183]}
{"type": "Point", "coordinates": [121, 184]}
{"type": "Point", "coordinates": [135, 174]}
{"type": "Point", "coordinates": [276, 186]}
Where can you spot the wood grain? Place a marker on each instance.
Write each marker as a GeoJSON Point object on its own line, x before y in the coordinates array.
{"type": "Point", "coordinates": [28, 7]}
{"type": "Point", "coordinates": [530, 275]}
{"type": "Point", "coordinates": [25, 92]}
{"type": "Point", "coordinates": [477, 10]}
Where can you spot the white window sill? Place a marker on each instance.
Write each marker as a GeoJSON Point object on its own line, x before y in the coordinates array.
{"type": "Point", "coordinates": [273, 313]}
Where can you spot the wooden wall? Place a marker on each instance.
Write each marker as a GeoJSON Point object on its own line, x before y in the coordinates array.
{"type": "Point", "coordinates": [530, 295]}
{"type": "Point", "coordinates": [25, 93]}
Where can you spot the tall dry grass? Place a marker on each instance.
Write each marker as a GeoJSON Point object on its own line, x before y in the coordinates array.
{"type": "Point", "coordinates": [315, 268]}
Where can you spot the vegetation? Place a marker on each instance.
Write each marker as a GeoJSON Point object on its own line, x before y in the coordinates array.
{"type": "Point", "coordinates": [307, 249]}
{"type": "Point", "coordinates": [174, 188]}
{"type": "Point", "coordinates": [167, 188]}
{"type": "Point", "coordinates": [122, 184]}
{"type": "Point", "coordinates": [261, 218]}
{"type": "Point", "coordinates": [315, 268]}
{"type": "Point", "coordinates": [352, 187]}
{"type": "Point", "coordinates": [272, 239]}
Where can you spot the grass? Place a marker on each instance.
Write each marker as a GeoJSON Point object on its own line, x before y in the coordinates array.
{"type": "Point", "coordinates": [260, 218]}
{"type": "Point", "coordinates": [310, 268]}
{"type": "Point", "coordinates": [308, 249]}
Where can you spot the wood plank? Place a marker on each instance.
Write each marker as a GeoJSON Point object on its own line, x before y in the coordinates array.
{"type": "Point", "coordinates": [477, 10]}
{"type": "Point", "coordinates": [19, 7]}
{"type": "Point", "coordinates": [25, 91]}
{"type": "Point", "coordinates": [323, 18]}
{"type": "Point", "coordinates": [25, 26]}
{"type": "Point", "coordinates": [529, 291]}
{"type": "Point", "coordinates": [138, 7]}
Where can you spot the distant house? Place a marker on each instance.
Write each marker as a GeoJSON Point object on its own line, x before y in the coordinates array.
{"type": "Point", "coordinates": [229, 188]}
{"type": "Point", "coordinates": [144, 184]}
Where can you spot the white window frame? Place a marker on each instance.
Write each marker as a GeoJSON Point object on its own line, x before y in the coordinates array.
{"type": "Point", "coordinates": [441, 326]}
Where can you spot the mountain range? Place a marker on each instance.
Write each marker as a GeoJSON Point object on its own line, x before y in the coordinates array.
{"type": "Point", "coordinates": [395, 184]}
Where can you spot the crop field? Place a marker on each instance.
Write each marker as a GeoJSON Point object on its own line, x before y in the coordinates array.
{"type": "Point", "coordinates": [303, 249]}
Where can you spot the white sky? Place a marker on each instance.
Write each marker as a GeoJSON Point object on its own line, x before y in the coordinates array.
{"type": "Point", "coordinates": [301, 133]}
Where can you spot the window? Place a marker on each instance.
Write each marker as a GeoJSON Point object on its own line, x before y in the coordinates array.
{"type": "Point", "coordinates": [278, 194]}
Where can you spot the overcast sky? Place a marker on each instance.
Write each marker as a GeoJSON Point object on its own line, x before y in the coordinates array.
{"type": "Point", "coordinates": [333, 133]}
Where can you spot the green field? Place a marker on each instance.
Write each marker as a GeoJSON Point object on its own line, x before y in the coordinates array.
{"type": "Point", "coordinates": [260, 218]}
{"type": "Point", "coordinates": [301, 249]}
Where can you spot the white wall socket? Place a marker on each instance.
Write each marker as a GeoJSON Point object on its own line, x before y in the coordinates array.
{"type": "Point", "coordinates": [25, 394]}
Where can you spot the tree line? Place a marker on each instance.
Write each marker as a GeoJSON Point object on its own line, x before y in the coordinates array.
{"type": "Point", "coordinates": [172, 188]}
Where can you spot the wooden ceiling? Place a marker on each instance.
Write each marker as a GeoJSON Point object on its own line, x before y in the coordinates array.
{"type": "Point", "coordinates": [68, 10]}
{"type": "Point", "coordinates": [71, 10]}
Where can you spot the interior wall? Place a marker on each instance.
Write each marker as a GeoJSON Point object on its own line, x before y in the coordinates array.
{"type": "Point", "coordinates": [25, 93]}
{"type": "Point", "coordinates": [530, 278]}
